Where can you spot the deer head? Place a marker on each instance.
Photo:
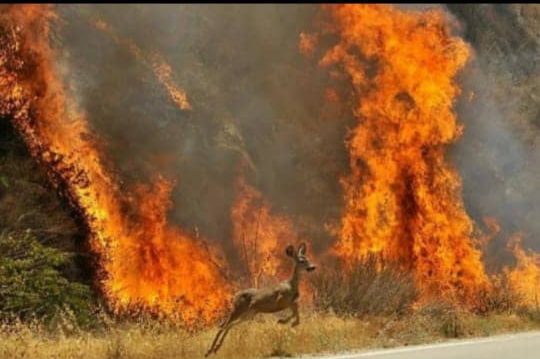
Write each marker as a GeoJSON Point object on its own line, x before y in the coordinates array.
{"type": "Point", "coordinates": [299, 257]}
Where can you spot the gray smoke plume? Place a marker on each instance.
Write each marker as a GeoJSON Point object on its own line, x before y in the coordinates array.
{"type": "Point", "coordinates": [258, 102]}
{"type": "Point", "coordinates": [498, 155]}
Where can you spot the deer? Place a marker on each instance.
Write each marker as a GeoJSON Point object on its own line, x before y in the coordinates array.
{"type": "Point", "coordinates": [249, 302]}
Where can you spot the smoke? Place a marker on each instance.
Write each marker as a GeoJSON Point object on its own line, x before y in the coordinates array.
{"type": "Point", "coordinates": [260, 107]}
{"type": "Point", "coordinates": [498, 155]}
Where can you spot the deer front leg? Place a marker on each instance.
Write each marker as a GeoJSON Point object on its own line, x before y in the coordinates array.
{"type": "Point", "coordinates": [294, 307]}
{"type": "Point", "coordinates": [287, 319]}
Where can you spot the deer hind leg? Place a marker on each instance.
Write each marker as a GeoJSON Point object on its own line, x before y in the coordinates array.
{"type": "Point", "coordinates": [243, 316]}
{"type": "Point", "coordinates": [232, 317]}
{"type": "Point", "coordinates": [211, 350]}
{"type": "Point", "coordinates": [237, 312]}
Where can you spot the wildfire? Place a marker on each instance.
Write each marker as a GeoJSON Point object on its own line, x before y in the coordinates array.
{"type": "Point", "coordinates": [524, 278]}
{"type": "Point", "coordinates": [307, 44]}
{"type": "Point", "coordinates": [259, 235]}
{"type": "Point", "coordinates": [402, 196]}
{"type": "Point", "coordinates": [260, 238]}
{"type": "Point", "coordinates": [145, 262]}
{"type": "Point", "coordinates": [155, 61]}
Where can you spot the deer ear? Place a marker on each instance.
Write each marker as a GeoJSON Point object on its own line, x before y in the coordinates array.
{"type": "Point", "coordinates": [302, 249]}
{"type": "Point", "coordinates": [290, 250]}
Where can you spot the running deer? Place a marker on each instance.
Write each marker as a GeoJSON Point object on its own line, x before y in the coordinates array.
{"type": "Point", "coordinates": [248, 302]}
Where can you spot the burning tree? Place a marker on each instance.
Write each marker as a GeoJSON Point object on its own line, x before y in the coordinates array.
{"type": "Point", "coordinates": [144, 261]}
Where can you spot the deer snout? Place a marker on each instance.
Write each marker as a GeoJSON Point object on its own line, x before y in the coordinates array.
{"type": "Point", "coordinates": [311, 268]}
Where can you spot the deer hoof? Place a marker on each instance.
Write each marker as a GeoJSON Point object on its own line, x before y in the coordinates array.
{"type": "Point", "coordinates": [282, 321]}
{"type": "Point", "coordinates": [294, 324]}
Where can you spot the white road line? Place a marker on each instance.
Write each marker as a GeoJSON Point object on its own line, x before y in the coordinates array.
{"type": "Point", "coordinates": [497, 338]}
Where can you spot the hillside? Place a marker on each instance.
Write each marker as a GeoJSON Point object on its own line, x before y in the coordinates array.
{"type": "Point", "coordinates": [156, 159]}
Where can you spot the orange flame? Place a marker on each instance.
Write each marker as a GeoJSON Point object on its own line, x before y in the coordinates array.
{"type": "Point", "coordinates": [524, 278]}
{"type": "Point", "coordinates": [308, 44]}
{"type": "Point", "coordinates": [144, 261]}
{"type": "Point", "coordinates": [259, 235]}
{"type": "Point", "coordinates": [402, 196]}
{"type": "Point", "coordinates": [156, 62]}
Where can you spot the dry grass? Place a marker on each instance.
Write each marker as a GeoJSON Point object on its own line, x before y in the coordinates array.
{"type": "Point", "coordinates": [260, 338]}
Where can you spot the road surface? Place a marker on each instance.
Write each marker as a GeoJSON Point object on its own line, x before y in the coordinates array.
{"type": "Point", "coordinates": [511, 346]}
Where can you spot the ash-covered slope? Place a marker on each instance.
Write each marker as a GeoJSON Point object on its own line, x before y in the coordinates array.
{"type": "Point", "coordinates": [257, 102]}
{"type": "Point", "coordinates": [499, 155]}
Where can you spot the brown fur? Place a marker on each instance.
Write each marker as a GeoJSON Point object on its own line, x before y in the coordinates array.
{"type": "Point", "coordinates": [248, 302]}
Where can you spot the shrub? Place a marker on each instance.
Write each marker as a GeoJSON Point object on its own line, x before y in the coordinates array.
{"type": "Point", "coordinates": [533, 313]}
{"type": "Point", "coordinates": [500, 297]}
{"type": "Point", "coordinates": [369, 287]}
{"type": "Point", "coordinates": [32, 286]}
{"type": "Point", "coordinates": [447, 317]}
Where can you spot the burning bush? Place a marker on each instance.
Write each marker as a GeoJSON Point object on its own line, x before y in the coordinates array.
{"type": "Point", "coordinates": [373, 286]}
{"type": "Point", "coordinates": [259, 235]}
{"type": "Point", "coordinates": [501, 297]}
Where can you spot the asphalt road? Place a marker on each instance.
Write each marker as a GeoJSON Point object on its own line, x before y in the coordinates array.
{"type": "Point", "coordinates": [512, 346]}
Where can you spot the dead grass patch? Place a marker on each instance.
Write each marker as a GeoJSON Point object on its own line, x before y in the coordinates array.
{"type": "Point", "coordinates": [263, 337]}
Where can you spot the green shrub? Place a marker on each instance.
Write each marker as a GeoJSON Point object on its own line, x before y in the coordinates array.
{"type": "Point", "coordinates": [33, 287]}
